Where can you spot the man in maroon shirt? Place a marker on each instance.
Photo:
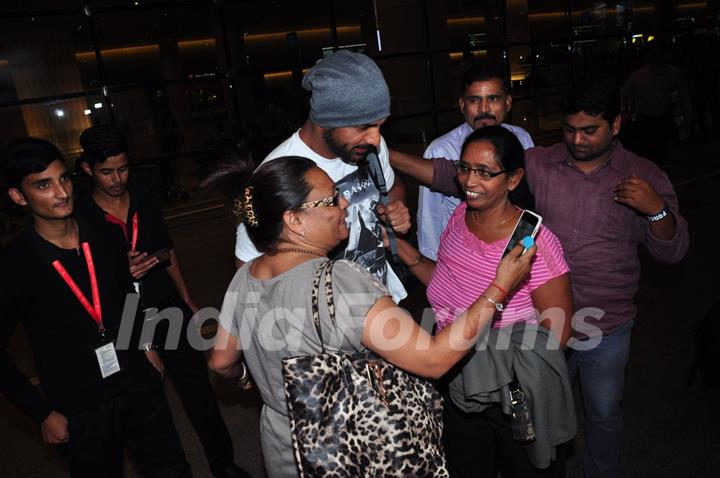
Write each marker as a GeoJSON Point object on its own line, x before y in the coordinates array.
{"type": "Point", "coordinates": [601, 201]}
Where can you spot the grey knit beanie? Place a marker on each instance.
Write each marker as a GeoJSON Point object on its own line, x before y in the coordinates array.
{"type": "Point", "coordinates": [348, 89]}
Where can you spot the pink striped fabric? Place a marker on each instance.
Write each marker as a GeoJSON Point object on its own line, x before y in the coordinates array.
{"type": "Point", "coordinates": [466, 267]}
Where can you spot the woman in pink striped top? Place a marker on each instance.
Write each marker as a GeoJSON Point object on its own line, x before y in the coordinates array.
{"type": "Point", "coordinates": [491, 174]}
{"type": "Point", "coordinates": [466, 267]}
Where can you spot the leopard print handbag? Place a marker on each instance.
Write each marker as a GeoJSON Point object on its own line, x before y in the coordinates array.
{"type": "Point", "coordinates": [356, 415]}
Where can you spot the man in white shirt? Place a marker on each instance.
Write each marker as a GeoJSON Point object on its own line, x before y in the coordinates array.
{"type": "Point", "coordinates": [486, 100]}
{"type": "Point", "coordinates": [350, 101]}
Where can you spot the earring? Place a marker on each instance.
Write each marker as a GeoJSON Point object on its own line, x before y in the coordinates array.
{"type": "Point", "coordinates": [303, 233]}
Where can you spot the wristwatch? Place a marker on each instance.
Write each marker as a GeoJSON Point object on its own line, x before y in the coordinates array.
{"type": "Point", "coordinates": [498, 305]}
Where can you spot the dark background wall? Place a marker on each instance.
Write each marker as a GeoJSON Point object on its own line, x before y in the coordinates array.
{"type": "Point", "coordinates": [185, 77]}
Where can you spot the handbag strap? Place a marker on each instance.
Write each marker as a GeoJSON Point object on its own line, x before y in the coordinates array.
{"type": "Point", "coordinates": [326, 268]}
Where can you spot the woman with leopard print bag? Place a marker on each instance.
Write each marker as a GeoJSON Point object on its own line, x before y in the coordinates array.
{"type": "Point", "coordinates": [323, 339]}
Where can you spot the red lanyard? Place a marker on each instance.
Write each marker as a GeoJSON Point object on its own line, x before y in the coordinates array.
{"type": "Point", "coordinates": [135, 231]}
{"type": "Point", "coordinates": [94, 310]}
{"type": "Point", "coordinates": [123, 226]}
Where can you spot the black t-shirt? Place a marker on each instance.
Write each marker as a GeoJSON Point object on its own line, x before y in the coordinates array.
{"type": "Point", "coordinates": [156, 285]}
{"type": "Point", "coordinates": [62, 333]}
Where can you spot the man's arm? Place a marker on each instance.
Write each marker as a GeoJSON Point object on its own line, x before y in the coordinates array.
{"type": "Point", "coordinates": [396, 214]}
{"type": "Point", "coordinates": [15, 386]}
{"type": "Point", "coordinates": [438, 174]}
{"type": "Point", "coordinates": [177, 277]}
{"type": "Point", "coordinates": [397, 191]}
{"type": "Point", "coordinates": [412, 165]}
{"type": "Point", "coordinates": [666, 239]}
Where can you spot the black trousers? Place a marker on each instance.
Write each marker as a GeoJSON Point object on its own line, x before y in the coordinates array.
{"type": "Point", "coordinates": [138, 419]}
{"type": "Point", "coordinates": [477, 445]}
{"type": "Point", "coordinates": [188, 369]}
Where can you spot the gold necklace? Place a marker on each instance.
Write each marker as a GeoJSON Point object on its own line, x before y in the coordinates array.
{"type": "Point", "coordinates": [507, 219]}
{"type": "Point", "coordinates": [501, 222]}
{"type": "Point", "coordinates": [303, 251]}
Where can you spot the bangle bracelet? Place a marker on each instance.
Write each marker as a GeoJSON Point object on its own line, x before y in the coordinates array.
{"type": "Point", "coordinates": [244, 373]}
{"type": "Point", "coordinates": [498, 305]}
{"type": "Point", "coordinates": [417, 261]}
{"type": "Point", "coordinates": [493, 284]}
{"type": "Point", "coordinates": [243, 381]}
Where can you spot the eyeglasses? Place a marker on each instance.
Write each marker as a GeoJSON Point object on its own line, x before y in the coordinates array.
{"type": "Point", "coordinates": [330, 201]}
{"type": "Point", "coordinates": [464, 169]}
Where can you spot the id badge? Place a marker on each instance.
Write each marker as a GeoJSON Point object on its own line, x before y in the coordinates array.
{"type": "Point", "coordinates": [107, 360]}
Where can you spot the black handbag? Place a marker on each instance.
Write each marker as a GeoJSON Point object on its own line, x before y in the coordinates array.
{"type": "Point", "coordinates": [355, 414]}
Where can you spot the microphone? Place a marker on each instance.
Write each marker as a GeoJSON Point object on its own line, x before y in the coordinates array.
{"type": "Point", "coordinates": [375, 172]}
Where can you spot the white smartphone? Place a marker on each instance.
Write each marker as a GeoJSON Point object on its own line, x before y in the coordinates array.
{"type": "Point", "coordinates": [528, 225]}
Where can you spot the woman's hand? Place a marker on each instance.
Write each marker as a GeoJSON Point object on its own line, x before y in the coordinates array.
{"type": "Point", "coordinates": [514, 267]}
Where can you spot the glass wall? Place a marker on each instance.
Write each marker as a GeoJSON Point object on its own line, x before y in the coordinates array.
{"type": "Point", "coordinates": [185, 78]}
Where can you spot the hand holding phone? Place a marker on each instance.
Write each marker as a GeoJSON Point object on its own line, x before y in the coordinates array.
{"type": "Point", "coordinates": [528, 225]}
{"type": "Point", "coordinates": [140, 263]}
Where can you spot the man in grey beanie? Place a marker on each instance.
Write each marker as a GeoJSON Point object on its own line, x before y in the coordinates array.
{"type": "Point", "coordinates": [350, 101]}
